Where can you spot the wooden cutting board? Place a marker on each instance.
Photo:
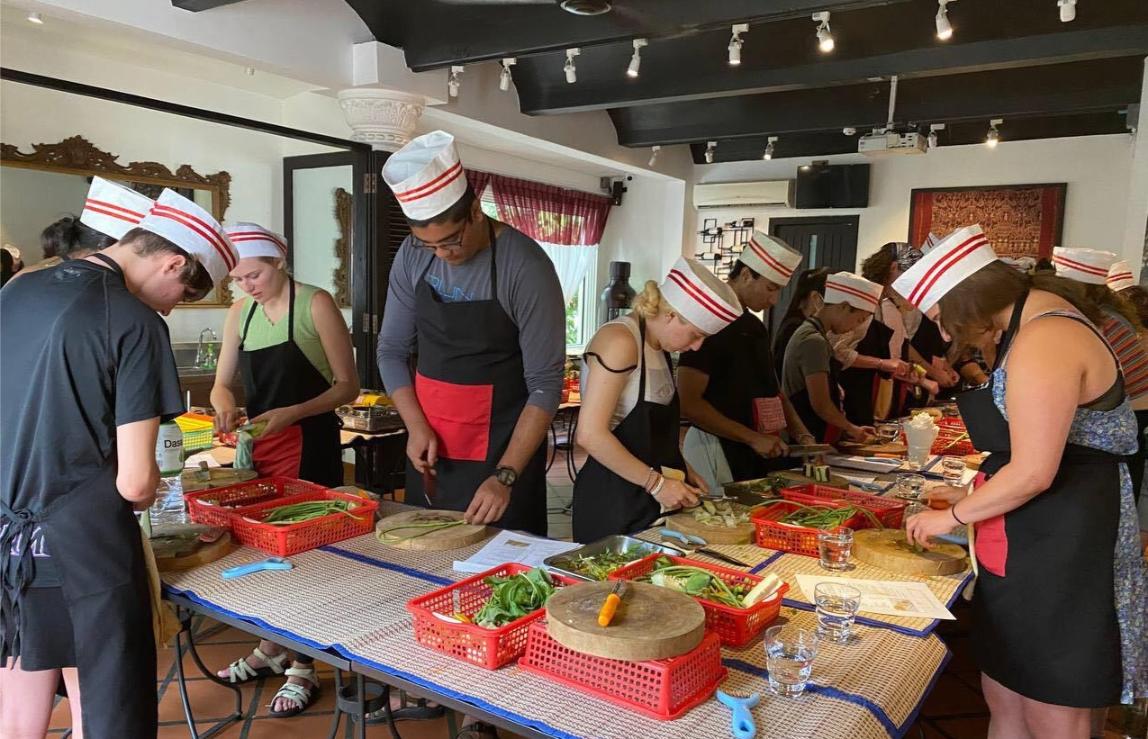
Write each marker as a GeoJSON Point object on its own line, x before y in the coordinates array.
{"type": "Point", "coordinates": [436, 541]}
{"type": "Point", "coordinates": [203, 554]}
{"type": "Point", "coordinates": [872, 449]}
{"type": "Point", "coordinates": [888, 549]}
{"type": "Point", "coordinates": [685, 522]}
{"type": "Point", "coordinates": [220, 477]}
{"type": "Point", "coordinates": [651, 623]}
{"type": "Point", "coordinates": [835, 481]}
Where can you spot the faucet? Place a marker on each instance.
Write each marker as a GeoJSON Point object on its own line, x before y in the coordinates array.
{"type": "Point", "coordinates": [205, 353]}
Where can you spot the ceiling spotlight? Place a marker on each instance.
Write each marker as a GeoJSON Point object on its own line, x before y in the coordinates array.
{"type": "Point", "coordinates": [250, 71]}
{"type": "Point", "coordinates": [944, 28]}
{"type": "Point", "coordinates": [735, 43]}
{"type": "Point", "coordinates": [994, 137]}
{"type": "Point", "coordinates": [504, 76]}
{"type": "Point", "coordinates": [39, 19]}
{"type": "Point", "coordinates": [849, 131]}
{"type": "Point", "coordinates": [654, 155]}
{"type": "Point", "coordinates": [569, 68]}
{"type": "Point", "coordinates": [769, 148]}
{"type": "Point", "coordinates": [454, 81]}
{"type": "Point", "coordinates": [824, 35]}
{"type": "Point", "coordinates": [710, 146]}
{"type": "Point", "coordinates": [636, 59]}
{"type": "Point", "coordinates": [1067, 10]}
{"type": "Point", "coordinates": [932, 139]}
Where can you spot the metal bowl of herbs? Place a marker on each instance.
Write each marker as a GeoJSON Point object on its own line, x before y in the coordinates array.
{"type": "Point", "coordinates": [597, 560]}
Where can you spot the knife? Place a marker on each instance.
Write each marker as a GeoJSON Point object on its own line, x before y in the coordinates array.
{"type": "Point", "coordinates": [429, 486]}
{"type": "Point", "coordinates": [698, 544]}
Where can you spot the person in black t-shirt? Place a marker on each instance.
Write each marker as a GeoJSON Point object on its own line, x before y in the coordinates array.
{"type": "Point", "coordinates": [729, 387]}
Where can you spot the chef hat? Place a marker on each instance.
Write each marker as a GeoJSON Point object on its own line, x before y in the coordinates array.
{"type": "Point", "coordinates": [252, 240]}
{"type": "Point", "coordinates": [700, 297]}
{"type": "Point", "coordinates": [1083, 265]}
{"type": "Point", "coordinates": [113, 209]}
{"type": "Point", "coordinates": [943, 267]}
{"type": "Point", "coordinates": [846, 287]}
{"type": "Point", "coordinates": [426, 176]}
{"type": "Point", "coordinates": [930, 241]}
{"type": "Point", "coordinates": [770, 257]}
{"type": "Point", "coordinates": [1120, 276]}
{"type": "Point", "coordinates": [192, 229]}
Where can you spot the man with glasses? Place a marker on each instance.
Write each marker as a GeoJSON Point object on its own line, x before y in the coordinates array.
{"type": "Point", "coordinates": [479, 305]}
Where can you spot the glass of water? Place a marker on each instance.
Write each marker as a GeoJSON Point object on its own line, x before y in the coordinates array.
{"type": "Point", "coordinates": [837, 606]}
{"type": "Point", "coordinates": [953, 470]}
{"type": "Point", "coordinates": [910, 487]}
{"type": "Point", "coordinates": [888, 432]}
{"type": "Point", "coordinates": [789, 653]}
{"type": "Point", "coordinates": [835, 548]}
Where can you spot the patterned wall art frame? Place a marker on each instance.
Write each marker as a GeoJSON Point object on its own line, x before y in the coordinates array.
{"type": "Point", "coordinates": [721, 243]}
{"type": "Point", "coordinates": [1020, 220]}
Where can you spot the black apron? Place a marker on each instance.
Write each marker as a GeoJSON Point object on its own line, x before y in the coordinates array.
{"type": "Point", "coordinates": [472, 390]}
{"type": "Point", "coordinates": [804, 407]}
{"type": "Point", "coordinates": [94, 541]}
{"type": "Point", "coordinates": [606, 504]}
{"type": "Point", "coordinates": [1045, 623]}
{"type": "Point", "coordinates": [860, 384]}
{"type": "Point", "coordinates": [279, 376]}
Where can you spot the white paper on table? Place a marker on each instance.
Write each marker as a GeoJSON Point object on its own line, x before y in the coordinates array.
{"type": "Point", "coordinates": [509, 546]}
{"type": "Point", "coordinates": [855, 478]}
{"type": "Point", "coordinates": [888, 597]}
{"type": "Point", "coordinates": [867, 464]}
{"type": "Point", "coordinates": [194, 460]}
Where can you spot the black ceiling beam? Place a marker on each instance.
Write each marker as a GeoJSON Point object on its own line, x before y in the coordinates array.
{"type": "Point", "coordinates": [1057, 89]}
{"type": "Point", "coordinates": [197, 6]}
{"type": "Point", "coordinates": [439, 33]}
{"type": "Point", "coordinates": [783, 56]}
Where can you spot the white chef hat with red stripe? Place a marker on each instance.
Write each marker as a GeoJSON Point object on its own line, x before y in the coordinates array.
{"type": "Point", "coordinates": [252, 240]}
{"type": "Point", "coordinates": [426, 175]}
{"type": "Point", "coordinates": [846, 287]}
{"type": "Point", "coordinates": [700, 297]}
{"type": "Point", "coordinates": [930, 241]}
{"type": "Point", "coordinates": [113, 209]}
{"type": "Point", "coordinates": [1120, 276]}
{"type": "Point", "coordinates": [1083, 265]}
{"type": "Point", "coordinates": [194, 230]}
{"type": "Point", "coordinates": [770, 258]}
{"type": "Point", "coordinates": [943, 267]}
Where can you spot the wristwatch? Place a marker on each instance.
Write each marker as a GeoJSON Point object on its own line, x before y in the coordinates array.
{"type": "Point", "coordinates": [506, 475]}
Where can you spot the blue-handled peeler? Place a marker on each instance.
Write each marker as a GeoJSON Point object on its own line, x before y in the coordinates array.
{"type": "Point", "coordinates": [741, 724]}
{"type": "Point", "coordinates": [696, 541]}
{"type": "Point", "coordinates": [271, 563]}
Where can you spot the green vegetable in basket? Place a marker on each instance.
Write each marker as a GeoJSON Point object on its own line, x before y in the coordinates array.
{"type": "Point", "coordinates": [824, 516]}
{"type": "Point", "coordinates": [696, 581]}
{"type": "Point", "coordinates": [598, 566]}
{"type": "Point", "coordinates": [514, 597]}
{"type": "Point", "coordinates": [286, 515]}
{"type": "Point", "coordinates": [420, 526]}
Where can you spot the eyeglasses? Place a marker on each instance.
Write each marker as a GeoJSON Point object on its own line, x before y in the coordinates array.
{"type": "Point", "coordinates": [451, 243]}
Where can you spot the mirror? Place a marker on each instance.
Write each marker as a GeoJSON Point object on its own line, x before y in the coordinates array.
{"type": "Point", "coordinates": [52, 180]}
{"type": "Point", "coordinates": [318, 223]}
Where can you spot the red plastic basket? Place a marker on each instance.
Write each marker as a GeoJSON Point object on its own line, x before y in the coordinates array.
{"type": "Point", "coordinates": [735, 626]}
{"type": "Point", "coordinates": [663, 689]}
{"type": "Point", "coordinates": [217, 507]}
{"type": "Point", "coordinates": [786, 537]}
{"type": "Point", "coordinates": [946, 443]}
{"type": "Point", "coordinates": [248, 528]}
{"type": "Point", "coordinates": [889, 512]}
{"type": "Point", "coordinates": [489, 648]}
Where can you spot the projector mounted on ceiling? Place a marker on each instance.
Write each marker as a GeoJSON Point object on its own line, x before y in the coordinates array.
{"type": "Point", "coordinates": [883, 144]}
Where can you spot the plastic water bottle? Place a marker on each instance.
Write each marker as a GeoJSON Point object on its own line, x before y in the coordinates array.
{"type": "Point", "coordinates": [169, 449]}
{"type": "Point", "coordinates": [169, 507]}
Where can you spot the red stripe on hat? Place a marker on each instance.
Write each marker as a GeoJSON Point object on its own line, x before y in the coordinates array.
{"type": "Point", "coordinates": [766, 257]}
{"type": "Point", "coordinates": [93, 203]}
{"type": "Point", "coordinates": [944, 264]}
{"type": "Point", "coordinates": [852, 291]}
{"type": "Point", "coordinates": [89, 208]}
{"type": "Point", "coordinates": [1120, 276]}
{"type": "Point", "coordinates": [199, 226]}
{"type": "Point", "coordinates": [1081, 266]}
{"type": "Point", "coordinates": [701, 297]}
{"type": "Point", "coordinates": [430, 188]}
{"type": "Point", "coordinates": [237, 236]}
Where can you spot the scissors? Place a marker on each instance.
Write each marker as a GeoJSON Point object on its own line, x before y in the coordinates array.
{"type": "Point", "coordinates": [741, 721]}
{"type": "Point", "coordinates": [271, 563]}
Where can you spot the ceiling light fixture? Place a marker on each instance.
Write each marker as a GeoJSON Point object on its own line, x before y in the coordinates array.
{"type": "Point", "coordinates": [944, 28]}
{"type": "Point", "coordinates": [994, 136]}
{"type": "Point", "coordinates": [849, 131]}
{"type": "Point", "coordinates": [825, 40]}
{"type": "Point", "coordinates": [932, 139]}
{"type": "Point", "coordinates": [710, 146]}
{"type": "Point", "coordinates": [36, 18]}
{"type": "Point", "coordinates": [454, 81]}
{"type": "Point", "coordinates": [569, 68]}
{"type": "Point", "coordinates": [769, 148]}
{"type": "Point", "coordinates": [504, 75]}
{"type": "Point", "coordinates": [654, 155]}
{"type": "Point", "coordinates": [636, 58]}
{"type": "Point", "coordinates": [1067, 10]}
{"type": "Point", "coordinates": [735, 43]}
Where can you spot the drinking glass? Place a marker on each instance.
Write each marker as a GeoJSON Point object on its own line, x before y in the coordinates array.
{"type": "Point", "coordinates": [837, 606]}
{"type": "Point", "coordinates": [789, 654]}
{"type": "Point", "coordinates": [953, 470]}
{"type": "Point", "coordinates": [835, 548]}
{"type": "Point", "coordinates": [910, 487]}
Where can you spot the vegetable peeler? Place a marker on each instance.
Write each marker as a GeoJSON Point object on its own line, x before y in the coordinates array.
{"type": "Point", "coordinates": [271, 563]}
{"type": "Point", "coordinates": [741, 722]}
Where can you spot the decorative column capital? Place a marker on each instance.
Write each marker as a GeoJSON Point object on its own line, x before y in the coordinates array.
{"type": "Point", "coordinates": [385, 119]}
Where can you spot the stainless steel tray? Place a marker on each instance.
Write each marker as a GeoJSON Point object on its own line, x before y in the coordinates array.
{"type": "Point", "coordinates": [617, 544]}
{"type": "Point", "coordinates": [744, 491]}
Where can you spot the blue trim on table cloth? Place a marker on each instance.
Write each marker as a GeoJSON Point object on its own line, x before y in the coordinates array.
{"type": "Point", "coordinates": [768, 561]}
{"type": "Point", "coordinates": [383, 564]}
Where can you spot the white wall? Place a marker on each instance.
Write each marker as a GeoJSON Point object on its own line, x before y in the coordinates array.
{"type": "Point", "coordinates": [1096, 168]}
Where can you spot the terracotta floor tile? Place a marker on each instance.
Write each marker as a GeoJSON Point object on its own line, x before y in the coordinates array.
{"type": "Point", "coordinates": [208, 700]}
{"type": "Point", "coordinates": [963, 728]}
{"type": "Point", "coordinates": [179, 731]}
{"type": "Point", "coordinates": [951, 697]}
{"type": "Point", "coordinates": [61, 715]}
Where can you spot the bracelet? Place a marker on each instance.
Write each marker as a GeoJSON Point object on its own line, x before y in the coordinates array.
{"type": "Point", "coordinates": [651, 479]}
{"type": "Point", "coordinates": [953, 510]}
{"type": "Point", "coordinates": [658, 487]}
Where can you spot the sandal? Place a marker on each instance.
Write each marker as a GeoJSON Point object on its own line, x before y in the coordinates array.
{"type": "Point", "coordinates": [477, 730]}
{"type": "Point", "coordinates": [420, 711]}
{"type": "Point", "coordinates": [299, 696]}
{"type": "Point", "coordinates": [240, 671]}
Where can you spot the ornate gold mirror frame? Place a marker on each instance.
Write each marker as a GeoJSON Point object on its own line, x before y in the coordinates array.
{"type": "Point", "coordinates": [343, 214]}
{"type": "Point", "coordinates": [77, 155]}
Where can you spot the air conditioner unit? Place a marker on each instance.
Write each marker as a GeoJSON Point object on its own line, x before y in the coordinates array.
{"type": "Point", "coordinates": [772, 193]}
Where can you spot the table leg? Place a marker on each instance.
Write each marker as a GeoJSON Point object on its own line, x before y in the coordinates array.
{"type": "Point", "coordinates": [185, 618]}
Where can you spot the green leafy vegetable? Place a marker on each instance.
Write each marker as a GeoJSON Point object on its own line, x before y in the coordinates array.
{"type": "Point", "coordinates": [514, 597]}
{"type": "Point", "coordinates": [598, 566]}
{"type": "Point", "coordinates": [696, 581]}
{"type": "Point", "coordinates": [286, 515]}
{"type": "Point", "coordinates": [721, 513]}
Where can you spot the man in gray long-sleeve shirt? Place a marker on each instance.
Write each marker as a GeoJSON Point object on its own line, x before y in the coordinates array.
{"type": "Point", "coordinates": [480, 305]}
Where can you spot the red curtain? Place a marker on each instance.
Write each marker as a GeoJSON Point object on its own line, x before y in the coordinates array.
{"type": "Point", "coordinates": [477, 181]}
{"type": "Point", "coordinates": [546, 213]}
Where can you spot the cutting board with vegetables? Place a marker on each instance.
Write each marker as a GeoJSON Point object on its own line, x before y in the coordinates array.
{"type": "Point", "coordinates": [216, 477]}
{"type": "Point", "coordinates": [718, 522]}
{"type": "Point", "coordinates": [194, 554]}
{"type": "Point", "coordinates": [889, 550]}
{"type": "Point", "coordinates": [429, 530]}
{"type": "Point", "coordinates": [835, 481]}
{"type": "Point", "coordinates": [650, 623]}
